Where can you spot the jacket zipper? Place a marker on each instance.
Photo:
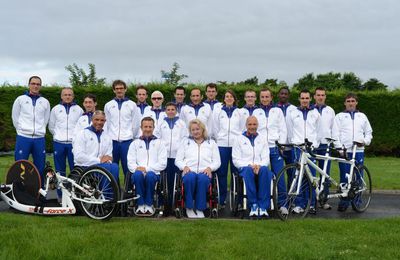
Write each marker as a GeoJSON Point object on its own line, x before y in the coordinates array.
{"type": "Point", "coordinates": [198, 157]}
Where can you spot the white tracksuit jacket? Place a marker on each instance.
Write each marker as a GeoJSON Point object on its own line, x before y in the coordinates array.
{"type": "Point", "coordinates": [245, 113]}
{"type": "Point", "coordinates": [124, 123]}
{"type": "Point", "coordinates": [30, 115]}
{"type": "Point", "coordinates": [300, 128]}
{"type": "Point", "coordinates": [149, 112]}
{"type": "Point", "coordinates": [62, 124]}
{"type": "Point", "coordinates": [327, 120]}
{"type": "Point", "coordinates": [244, 153]}
{"type": "Point", "coordinates": [226, 129]}
{"type": "Point", "coordinates": [352, 126]}
{"type": "Point", "coordinates": [171, 132]}
{"type": "Point", "coordinates": [84, 121]}
{"type": "Point", "coordinates": [198, 156]}
{"type": "Point", "coordinates": [271, 124]}
{"type": "Point", "coordinates": [89, 146]}
{"type": "Point", "coordinates": [188, 113]}
{"type": "Point", "coordinates": [151, 155]}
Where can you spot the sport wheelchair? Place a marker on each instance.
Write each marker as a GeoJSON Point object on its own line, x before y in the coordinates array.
{"type": "Point", "coordinates": [212, 199]}
{"type": "Point", "coordinates": [92, 189]}
{"type": "Point", "coordinates": [160, 199]}
{"type": "Point", "coordinates": [238, 196]}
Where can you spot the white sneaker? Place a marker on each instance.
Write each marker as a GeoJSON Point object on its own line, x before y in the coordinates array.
{"type": "Point", "coordinates": [140, 209]}
{"type": "Point", "coordinates": [326, 206]}
{"type": "Point", "coordinates": [263, 213]}
{"type": "Point", "coordinates": [283, 210]}
{"type": "Point", "coordinates": [298, 210]}
{"type": "Point", "coordinates": [149, 209]}
{"type": "Point", "coordinates": [200, 214]}
{"type": "Point", "coordinates": [254, 211]}
{"type": "Point", "coordinates": [190, 213]}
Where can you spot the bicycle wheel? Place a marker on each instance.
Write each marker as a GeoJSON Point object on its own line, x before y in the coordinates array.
{"type": "Point", "coordinates": [296, 203]}
{"type": "Point", "coordinates": [361, 188]}
{"type": "Point", "coordinates": [104, 193]}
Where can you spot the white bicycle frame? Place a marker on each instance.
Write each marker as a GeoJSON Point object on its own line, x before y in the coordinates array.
{"type": "Point", "coordinates": [305, 163]}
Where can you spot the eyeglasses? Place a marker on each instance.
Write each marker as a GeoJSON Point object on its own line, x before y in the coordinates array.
{"type": "Point", "coordinates": [350, 101]}
{"type": "Point", "coordinates": [35, 84]}
{"type": "Point", "coordinates": [156, 98]}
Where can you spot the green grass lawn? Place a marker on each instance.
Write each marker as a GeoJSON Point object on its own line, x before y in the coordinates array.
{"type": "Point", "coordinates": [39, 237]}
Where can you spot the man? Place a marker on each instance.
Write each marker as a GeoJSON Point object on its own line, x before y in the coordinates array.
{"type": "Point", "coordinates": [304, 123]}
{"type": "Point", "coordinates": [197, 110]}
{"type": "Point", "coordinates": [272, 127]}
{"type": "Point", "coordinates": [94, 147]}
{"type": "Point", "coordinates": [63, 120]}
{"type": "Point", "coordinates": [351, 126]}
{"type": "Point", "coordinates": [179, 95]}
{"type": "Point", "coordinates": [89, 103]}
{"type": "Point", "coordinates": [123, 122]}
{"type": "Point", "coordinates": [250, 156]}
{"type": "Point", "coordinates": [325, 131]}
{"type": "Point", "coordinates": [141, 96]}
{"type": "Point", "coordinates": [30, 115]}
{"type": "Point", "coordinates": [156, 111]}
{"type": "Point", "coordinates": [146, 169]}
{"type": "Point", "coordinates": [211, 94]}
{"type": "Point", "coordinates": [250, 97]}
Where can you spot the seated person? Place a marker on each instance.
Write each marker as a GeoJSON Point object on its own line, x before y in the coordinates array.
{"type": "Point", "coordinates": [197, 158]}
{"type": "Point", "coordinates": [94, 147]}
{"type": "Point", "coordinates": [147, 156]}
{"type": "Point", "coordinates": [250, 155]}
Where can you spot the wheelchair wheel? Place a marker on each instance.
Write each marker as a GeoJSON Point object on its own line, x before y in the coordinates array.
{"type": "Point", "coordinates": [126, 193]}
{"type": "Point", "coordinates": [101, 204]}
{"type": "Point", "coordinates": [361, 189]}
{"type": "Point", "coordinates": [292, 198]}
{"type": "Point", "coordinates": [177, 198]}
{"type": "Point", "coordinates": [164, 193]}
{"type": "Point", "coordinates": [234, 195]}
{"type": "Point", "coordinates": [213, 198]}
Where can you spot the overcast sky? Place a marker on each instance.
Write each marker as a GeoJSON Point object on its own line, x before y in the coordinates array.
{"type": "Point", "coordinates": [211, 40]}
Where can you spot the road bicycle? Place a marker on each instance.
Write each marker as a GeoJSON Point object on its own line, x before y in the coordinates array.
{"type": "Point", "coordinates": [302, 186]}
{"type": "Point", "coordinates": [91, 190]}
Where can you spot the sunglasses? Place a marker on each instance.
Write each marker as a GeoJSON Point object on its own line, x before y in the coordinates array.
{"type": "Point", "coordinates": [156, 98]}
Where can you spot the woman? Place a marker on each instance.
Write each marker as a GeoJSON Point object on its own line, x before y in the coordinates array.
{"type": "Point", "coordinates": [197, 158]}
{"type": "Point", "coordinates": [171, 130]}
{"type": "Point", "coordinates": [227, 127]}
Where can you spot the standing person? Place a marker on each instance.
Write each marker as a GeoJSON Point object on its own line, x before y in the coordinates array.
{"type": "Point", "coordinates": [141, 96]}
{"type": "Point", "coordinates": [122, 123]}
{"type": "Point", "coordinates": [89, 103]}
{"type": "Point", "coordinates": [63, 120]}
{"type": "Point", "coordinates": [250, 97]}
{"type": "Point", "coordinates": [227, 127]}
{"type": "Point", "coordinates": [93, 146]}
{"type": "Point", "coordinates": [304, 123]}
{"type": "Point", "coordinates": [351, 126]}
{"type": "Point", "coordinates": [156, 111]}
{"type": "Point", "coordinates": [197, 158]}
{"type": "Point", "coordinates": [147, 157]}
{"type": "Point", "coordinates": [30, 115]}
{"type": "Point", "coordinates": [272, 127]}
{"type": "Point", "coordinates": [197, 110]}
{"type": "Point", "coordinates": [287, 108]}
{"type": "Point", "coordinates": [179, 98]}
{"type": "Point", "coordinates": [325, 131]}
{"type": "Point", "coordinates": [211, 94]}
{"type": "Point", "coordinates": [171, 130]}
{"type": "Point", "coordinates": [250, 155]}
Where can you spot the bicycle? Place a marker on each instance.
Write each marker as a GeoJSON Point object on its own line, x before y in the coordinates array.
{"type": "Point", "coordinates": [301, 183]}
{"type": "Point", "coordinates": [92, 190]}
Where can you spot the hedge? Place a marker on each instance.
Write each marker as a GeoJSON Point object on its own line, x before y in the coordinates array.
{"type": "Point", "coordinates": [381, 107]}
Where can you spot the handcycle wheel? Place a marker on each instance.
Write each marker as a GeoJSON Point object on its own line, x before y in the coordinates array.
{"type": "Point", "coordinates": [291, 198]}
{"type": "Point", "coordinates": [361, 188]}
{"type": "Point", "coordinates": [102, 203]}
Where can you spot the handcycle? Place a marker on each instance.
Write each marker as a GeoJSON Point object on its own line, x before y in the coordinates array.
{"type": "Point", "coordinates": [301, 182]}
{"type": "Point", "coordinates": [91, 190]}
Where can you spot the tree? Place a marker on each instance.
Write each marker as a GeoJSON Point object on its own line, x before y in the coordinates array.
{"type": "Point", "coordinates": [250, 81]}
{"type": "Point", "coordinates": [351, 81]}
{"type": "Point", "coordinates": [329, 80]}
{"type": "Point", "coordinates": [79, 78]}
{"type": "Point", "coordinates": [172, 77]}
{"type": "Point", "coordinates": [374, 84]}
{"type": "Point", "coordinates": [305, 82]}
{"type": "Point", "coordinates": [271, 83]}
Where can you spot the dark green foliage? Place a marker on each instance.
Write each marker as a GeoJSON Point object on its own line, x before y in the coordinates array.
{"type": "Point", "coordinates": [79, 78]}
{"type": "Point", "coordinates": [173, 78]}
{"type": "Point", "coordinates": [381, 107]}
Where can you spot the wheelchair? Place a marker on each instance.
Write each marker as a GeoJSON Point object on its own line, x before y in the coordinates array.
{"type": "Point", "coordinates": [160, 199]}
{"type": "Point", "coordinates": [238, 196]}
{"type": "Point", "coordinates": [212, 199]}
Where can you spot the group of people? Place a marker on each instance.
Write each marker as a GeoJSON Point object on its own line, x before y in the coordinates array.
{"type": "Point", "coordinates": [198, 138]}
